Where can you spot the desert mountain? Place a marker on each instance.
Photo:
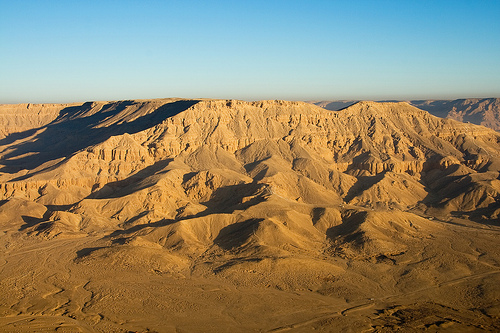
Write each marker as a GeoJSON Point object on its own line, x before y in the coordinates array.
{"type": "Point", "coordinates": [334, 105]}
{"type": "Point", "coordinates": [479, 111]}
{"type": "Point", "coordinates": [380, 207]}
{"type": "Point", "coordinates": [485, 112]}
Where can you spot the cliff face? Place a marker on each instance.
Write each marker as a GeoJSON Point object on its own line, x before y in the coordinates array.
{"type": "Point", "coordinates": [222, 199]}
{"type": "Point", "coordinates": [479, 111]}
{"type": "Point", "coordinates": [16, 118]}
{"type": "Point", "coordinates": [485, 111]}
{"type": "Point", "coordinates": [371, 154]}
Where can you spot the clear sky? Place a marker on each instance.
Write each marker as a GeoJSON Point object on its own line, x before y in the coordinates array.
{"type": "Point", "coordinates": [73, 50]}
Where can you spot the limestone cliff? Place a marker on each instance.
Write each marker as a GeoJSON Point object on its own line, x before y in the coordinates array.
{"type": "Point", "coordinates": [118, 164]}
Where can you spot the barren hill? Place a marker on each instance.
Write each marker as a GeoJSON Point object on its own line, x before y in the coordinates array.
{"type": "Point", "coordinates": [372, 216]}
{"type": "Point", "coordinates": [485, 111]}
{"type": "Point", "coordinates": [479, 111]}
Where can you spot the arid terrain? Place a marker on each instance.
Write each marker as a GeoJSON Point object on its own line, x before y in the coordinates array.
{"type": "Point", "coordinates": [479, 111]}
{"type": "Point", "coordinates": [174, 215]}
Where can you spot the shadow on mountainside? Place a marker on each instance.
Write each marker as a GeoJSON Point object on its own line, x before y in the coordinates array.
{"type": "Point", "coordinates": [13, 137]}
{"type": "Point", "coordinates": [348, 228]}
{"type": "Point", "coordinates": [224, 200]}
{"type": "Point", "coordinates": [230, 237]}
{"type": "Point", "coordinates": [131, 184]}
{"type": "Point", "coordinates": [235, 235]}
{"type": "Point", "coordinates": [363, 183]}
{"type": "Point", "coordinates": [73, 131]}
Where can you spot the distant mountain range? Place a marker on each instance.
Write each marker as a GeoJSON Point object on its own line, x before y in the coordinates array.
{"type": "Point", "coordinates": [479, 111]}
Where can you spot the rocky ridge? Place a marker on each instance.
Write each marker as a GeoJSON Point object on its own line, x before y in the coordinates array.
{"type": "Point", "coordinates": [479, 111]}
{"type": "Point", "coordinates": [267, 193]}
{"type": "Point", "coordinates": [370, 154]}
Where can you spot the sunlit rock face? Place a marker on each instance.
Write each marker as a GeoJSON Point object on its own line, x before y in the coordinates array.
{"type": "Point", "coordinates": [349, 205]}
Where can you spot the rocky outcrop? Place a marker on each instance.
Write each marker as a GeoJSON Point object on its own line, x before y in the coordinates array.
{"type": "Point", "coordinates": [130, 162]}
{"type": "Point", "coordinates": [479, 111]}
{"type": "Point", "coordinates": [18, 118]}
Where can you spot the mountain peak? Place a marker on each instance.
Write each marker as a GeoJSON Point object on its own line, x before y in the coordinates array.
{"type": "Point", "coordinates": [204, 203]}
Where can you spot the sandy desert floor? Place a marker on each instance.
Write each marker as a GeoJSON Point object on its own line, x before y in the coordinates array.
{"type": "Point", "coordinates": [176, 215]}
{"type": "Point", "coordinates": [55, 285]}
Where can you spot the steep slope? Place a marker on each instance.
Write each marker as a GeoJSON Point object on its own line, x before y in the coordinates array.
{"type": "Point", "coordinates": [371, 154]}
{"type": "Point", "coordinates": [17, 118]}
{"type": "Point", "coordinates": [485, 111]}
{"type": "Point", "coordinates": [333, 105]}
{"type": "Point", "coordinates": [262, 194]}
{"type": "Point", "coordinates": [479, 111]}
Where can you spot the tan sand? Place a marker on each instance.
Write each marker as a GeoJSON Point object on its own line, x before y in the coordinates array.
{"type": "Point", "coordinates": [228, 216]}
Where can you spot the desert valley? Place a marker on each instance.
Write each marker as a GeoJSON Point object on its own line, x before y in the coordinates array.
{"type": "Point", "coordinates": [180, 215]}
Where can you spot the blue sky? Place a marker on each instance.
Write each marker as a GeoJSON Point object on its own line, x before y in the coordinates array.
{"type": "Point", "coordinates": [63, 51]}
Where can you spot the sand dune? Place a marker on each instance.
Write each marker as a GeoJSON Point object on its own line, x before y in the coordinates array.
{"type": "Point", "coordinates": [220, 215]}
